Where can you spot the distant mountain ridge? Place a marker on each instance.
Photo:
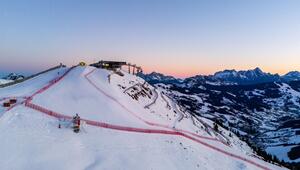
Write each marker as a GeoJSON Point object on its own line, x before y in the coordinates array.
{"type": "Point", "coordinates": [262, 108]}
{"type": "Point", "coordinates": [292, 76]}
{"type": "Point", "coordinates": [13, 76]}
{"type": "Point", "coordinates": [155, 77]}
{"type": "Point", "coordinates": [226, 77]}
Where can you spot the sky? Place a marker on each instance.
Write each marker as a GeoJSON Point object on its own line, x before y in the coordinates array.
{"type": "Point", "coordinates": [176, 37]}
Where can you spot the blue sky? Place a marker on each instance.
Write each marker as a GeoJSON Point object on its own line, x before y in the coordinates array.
{"type": "Point", "coordinates": [178, 37]}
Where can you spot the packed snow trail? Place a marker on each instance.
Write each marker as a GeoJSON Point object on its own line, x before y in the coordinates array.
{"type": "Point", "coordinates": [141, 130]}
{"type": "Point", "coordinates": [22, 90]}
{"type": "Point", "coordinates": [131, 129]}
{"type": "Point", "coordinates": [51, 83]}
{"type": "Point", "coordinates": [30, 86]}
{"type": "Point", "coordinates": [140, 118]}
{"type": "Point", "coordinates": [154, 100]}
{"type": "Point", "coordinates": [167, 103]}
{"type": "Point", "coordinates": [29, 77]}
{"type": "Point", "coordinates": [26, 99]}
{"type": "Point", "coordinates": [131, 87]}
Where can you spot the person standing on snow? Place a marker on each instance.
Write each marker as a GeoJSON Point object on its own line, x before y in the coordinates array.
{"type": "Point", "coordinates": [76, 123]}
{"type": "Point", "coordinates": [108, 77]}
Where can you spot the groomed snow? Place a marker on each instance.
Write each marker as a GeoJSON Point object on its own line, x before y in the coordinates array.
{"type": "Point", "coordinates": [31, 139]}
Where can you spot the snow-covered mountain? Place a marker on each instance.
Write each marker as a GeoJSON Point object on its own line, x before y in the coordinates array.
{"type": "Point", "coordinates": [127, 124]}
{"type": "Point", "coordinates": [225, 77]}
{"type": "Point", "coordinates": [155, 77]}
{"type": "Point", "coordinates": [266, 115]}
{"type": "Point", "coordinates": [292, 76]}
{"type": "Point", "coordinates": [246, 77]}
{"type": "Point", "coordinates": [13, 77]}
{"type": "Point", "coordinates": [10, 78]}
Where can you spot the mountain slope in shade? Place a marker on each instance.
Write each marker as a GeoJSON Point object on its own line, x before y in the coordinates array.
{"type": "Point", "coordinates": [10, 78]}
{"type": "Point", "coordinates": [13, 77]}
{"type": "Point", "coordinates": [246, 77]}
{"type": "Point", "coordinates": [128, 124]}
{"type": "Point", "coordinates": [265, 114]}
{"type": "Point", "coordinates": [292, 76]}
{"type": "Point", "coordinates": [155, 77]}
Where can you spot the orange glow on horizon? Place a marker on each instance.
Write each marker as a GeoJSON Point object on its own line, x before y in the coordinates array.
{"type": "Point", "coordinates": [176, 69]}
{"type": "Point", "coordinates": [184, 73]}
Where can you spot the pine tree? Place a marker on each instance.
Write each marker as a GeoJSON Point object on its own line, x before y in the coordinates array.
{"type": "Point", "coordinates": [216, 127]}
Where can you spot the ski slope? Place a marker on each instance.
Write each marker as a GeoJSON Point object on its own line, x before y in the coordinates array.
{"type": "Point", "coordinates": [120, 133]}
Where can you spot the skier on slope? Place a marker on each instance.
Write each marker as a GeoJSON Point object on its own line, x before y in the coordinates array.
{"type": "Point", "coordinates": [76, 123]}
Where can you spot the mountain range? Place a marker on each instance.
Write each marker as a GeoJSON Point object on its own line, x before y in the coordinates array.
{"type": "Point", "coordinates": [262, 108]}
{"type": "Point", "coordinates": [10, 78]}
{"type": "Point", "coordinates": [13, 77]}
{"type": "Point", "coordinates": [226, 77]}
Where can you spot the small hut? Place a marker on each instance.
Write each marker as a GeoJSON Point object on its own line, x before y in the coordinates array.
{"type": "Point", "coordinates": [13, 101]}
{"type": "Point", "coordinates": [6, 104]}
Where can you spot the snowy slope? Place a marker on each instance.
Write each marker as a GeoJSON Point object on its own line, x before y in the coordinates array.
{"type": "Point", "coordinates": [30, 86]}
{"type": "Point", "coordinates": [266, 115]}
{"type": "Point", "coordinates": [30, 139]}
{"type": "Point", "coordinates": [4, 81]}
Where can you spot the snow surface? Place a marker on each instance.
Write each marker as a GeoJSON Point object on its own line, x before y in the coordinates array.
{"type": "Point", "coordinates": [31, 139]}
{"type": "Point", "coordinates": [4, 81]}
{"type": "Point", "coordinates": [281, 152]}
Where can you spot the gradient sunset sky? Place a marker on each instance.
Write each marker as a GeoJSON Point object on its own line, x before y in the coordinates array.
{"type": "Point", "coordinates": [175, 37]}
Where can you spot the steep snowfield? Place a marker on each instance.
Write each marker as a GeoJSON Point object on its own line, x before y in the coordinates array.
{"type": "Point", "coordinates": [32, 140]}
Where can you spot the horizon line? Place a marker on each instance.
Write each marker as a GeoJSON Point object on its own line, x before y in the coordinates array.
{"type": "Point", "coordinates": [180, 75]}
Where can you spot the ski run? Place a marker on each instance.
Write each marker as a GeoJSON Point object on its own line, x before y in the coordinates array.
{"type": "Point", "coordinates": [125, 124]}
